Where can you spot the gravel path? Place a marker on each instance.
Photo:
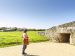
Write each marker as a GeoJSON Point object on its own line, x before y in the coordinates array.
{"type": "Point", "coordinates": [40, 49]}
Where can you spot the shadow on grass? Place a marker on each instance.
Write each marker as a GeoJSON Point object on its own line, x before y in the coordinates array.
{"type": "Point", "coordinates": [3, 44]}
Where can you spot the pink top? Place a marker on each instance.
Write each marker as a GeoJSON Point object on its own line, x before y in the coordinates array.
{"type": "Point", "coordinates": [25, 36]}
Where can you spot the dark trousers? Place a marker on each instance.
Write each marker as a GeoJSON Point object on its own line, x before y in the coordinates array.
{"type": "Point", "coordinates": [24, 48]}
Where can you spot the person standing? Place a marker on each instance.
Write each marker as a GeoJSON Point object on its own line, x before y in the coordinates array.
{"type": "Point", "coordinates": [25, 41]}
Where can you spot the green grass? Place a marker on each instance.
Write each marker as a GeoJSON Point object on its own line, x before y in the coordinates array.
{"type": "Point", "coordinates": [15, 38]}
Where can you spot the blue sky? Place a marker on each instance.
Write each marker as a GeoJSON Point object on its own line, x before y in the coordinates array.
{"type": "Point", "coordinates": [36, 13]}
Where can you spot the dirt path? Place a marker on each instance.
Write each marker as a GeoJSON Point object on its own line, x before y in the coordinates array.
{"type": "Point", "coordinates": [41, 49]}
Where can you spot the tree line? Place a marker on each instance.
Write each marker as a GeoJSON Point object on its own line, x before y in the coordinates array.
{"type": "Point", "coordinates": [5, 29]}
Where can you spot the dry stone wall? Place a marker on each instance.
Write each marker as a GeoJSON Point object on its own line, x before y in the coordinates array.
{"type": "Point", "coordinates": [58, 34]}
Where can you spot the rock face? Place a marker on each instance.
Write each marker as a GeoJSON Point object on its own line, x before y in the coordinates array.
{"type": "Point", "coordinates": [61, 34]}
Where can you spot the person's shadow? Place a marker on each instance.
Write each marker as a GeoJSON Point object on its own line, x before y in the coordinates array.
{"type": "Point", "coordinates": [29, 55]}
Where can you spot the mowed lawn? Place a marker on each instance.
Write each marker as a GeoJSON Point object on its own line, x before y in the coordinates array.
{"type": "Point", "coordinates": [15, 38]}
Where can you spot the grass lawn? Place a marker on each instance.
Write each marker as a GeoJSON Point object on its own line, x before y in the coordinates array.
{"type": "Point", "coordinates": [15, 38]}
